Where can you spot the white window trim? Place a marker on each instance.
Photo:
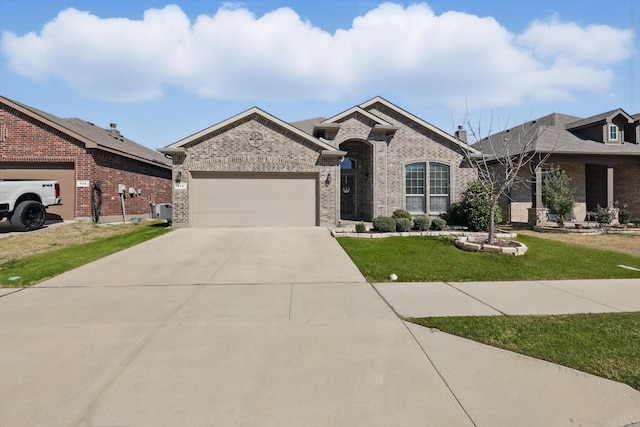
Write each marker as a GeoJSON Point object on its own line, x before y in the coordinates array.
{"type": "Point", "coordinates": [427, 181]}
{"type": "Point", "coordinates": [617, 131]}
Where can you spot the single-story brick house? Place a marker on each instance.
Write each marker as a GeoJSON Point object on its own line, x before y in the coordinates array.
{"type": "Point", "coordinates": [374, 158]}
{"type": "Point", "coordinates": [600, 154]}
{"type": "Point", "coordinates": [78, 154]}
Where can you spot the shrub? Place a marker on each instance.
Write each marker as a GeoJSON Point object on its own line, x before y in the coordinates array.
{"type": "Point", "coordinates": [361, 228]}
{"type": "Point", "coordinates": [401, 213]}
{"type": "Point", "coordinates": [422, 222]}
{"type": "Point", "coordinates": [624, 216]}
{"type": "Point", "coordinates": [438, 224]}
{"type": "Point", "coordinates": [403, 224]}
{"type": "Point", "coordinates": [385, 224]}
{"type": "Point", "coordinates": [557, 195]}
{"type": "Point", "coordinates": [604, 216]}
{"type": "Point", "coordinates": [473, 209]}
{"type": "Point", "coordinates": [635, 220]}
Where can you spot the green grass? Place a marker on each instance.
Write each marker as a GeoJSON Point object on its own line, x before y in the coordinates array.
{"type": "Point", "coordinates": [604, 344]}
{"type": "Point", "coordinates": [429, 259]}
{"type": "Point", "coordinates": [36, 268]}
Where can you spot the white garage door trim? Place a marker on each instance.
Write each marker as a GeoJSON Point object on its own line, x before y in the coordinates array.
{"type": "Point", "coordinates": [253, 199]}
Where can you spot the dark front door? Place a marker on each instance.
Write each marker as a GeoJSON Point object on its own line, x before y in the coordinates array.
{"type": "Point", "coordinates": [348, 196]}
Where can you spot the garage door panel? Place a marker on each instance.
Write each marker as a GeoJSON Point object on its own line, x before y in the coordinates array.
{"type": "Point", "coordinates": [61, 172]}
{"type": "Point", "coordinates": [245, 200]}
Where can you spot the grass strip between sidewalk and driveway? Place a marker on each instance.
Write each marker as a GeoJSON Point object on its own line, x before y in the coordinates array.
{"type": "Point", "coordinates": [436, 259]}
{"type": "Point", "coordinates": [603, 344]}
{"type": "Point", "coordinates": [29, 270]}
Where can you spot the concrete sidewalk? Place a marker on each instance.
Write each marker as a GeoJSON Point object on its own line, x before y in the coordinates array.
{"type": "Point", "coordinates": [516, 297]}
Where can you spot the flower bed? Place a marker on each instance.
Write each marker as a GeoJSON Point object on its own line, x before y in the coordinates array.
{"type": "Point", "coordinates": [507, 247]}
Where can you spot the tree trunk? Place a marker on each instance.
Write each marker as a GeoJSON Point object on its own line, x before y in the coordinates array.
{"type": "Point", "coordinates": [492, 213]}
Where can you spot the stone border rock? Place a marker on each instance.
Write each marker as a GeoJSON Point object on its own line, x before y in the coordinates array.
{"type": "Point", "coordinates": [476, 245]}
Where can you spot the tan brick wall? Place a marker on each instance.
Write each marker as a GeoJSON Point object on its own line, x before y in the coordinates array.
{"type": "Point", "coordinates": [256, 145]}
{"type": "Point", "coordinates": [627, 187]}
{"type": "Point", "coordinates": [411, 144]}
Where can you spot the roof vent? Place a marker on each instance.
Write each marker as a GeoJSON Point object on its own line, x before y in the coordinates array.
{"type": "Point", "coordinates": [114, 132]}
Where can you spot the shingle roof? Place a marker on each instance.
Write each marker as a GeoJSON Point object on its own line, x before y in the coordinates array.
{"type": "Point", "coordinates": [88, 133]}
{"type": "Point", "coordinates": [307, 125]}
{"type": "Point", "coordinates": [550, 134]}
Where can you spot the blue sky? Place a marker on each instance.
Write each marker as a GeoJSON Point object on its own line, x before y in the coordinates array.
{"type": "Point", "coordinates": [163, 70]}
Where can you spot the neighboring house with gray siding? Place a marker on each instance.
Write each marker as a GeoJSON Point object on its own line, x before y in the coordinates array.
{"type": "Point", "coordinates": [367, 161]}
{"type": "Point", "coordinates": [600, 154]}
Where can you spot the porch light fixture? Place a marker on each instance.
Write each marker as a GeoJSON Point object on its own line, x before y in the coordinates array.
{"type": "Point", "coordinates": [329, 178]}
{"type": "Point", "coordinates": [179, 177]}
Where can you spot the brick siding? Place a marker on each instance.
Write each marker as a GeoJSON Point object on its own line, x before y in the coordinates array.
{"type": "Point", "coordinates": [25, 140]}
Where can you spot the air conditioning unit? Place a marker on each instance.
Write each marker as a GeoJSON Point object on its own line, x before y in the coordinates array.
{"type": "Point", "coordinates": [163, 211]}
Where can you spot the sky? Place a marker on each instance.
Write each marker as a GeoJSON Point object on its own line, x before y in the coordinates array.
{"type": "Point", "coordinates": [164, 70]}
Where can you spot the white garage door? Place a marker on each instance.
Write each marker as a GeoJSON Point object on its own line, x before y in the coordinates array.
{"type": "Point", "coordinates": [252, 199]}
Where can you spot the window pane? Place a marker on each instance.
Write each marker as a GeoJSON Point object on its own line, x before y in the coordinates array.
{"type": "Point", "coordinates": [438, 204]}
{"type": "Point", "coordinates": [438, 187]}
{"type": "Point", "coordinates": [415, 203]}
{"type": "Point", "coordinates": [415, 187]}
{"type": "Point", "coordinates": [613, 132]}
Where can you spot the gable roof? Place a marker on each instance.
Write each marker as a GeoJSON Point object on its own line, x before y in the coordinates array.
{"type": "Point", "coordinates": [358, 110]}
{"type": "Point", "coordinates": [552, 134]}
{"type": "Point", "coordinates": [178, 147]}
{"type": "Point", "coordinates": [379, 100]}
{"type": "Point", "coordinates": [93, 136]}
{"type": "Point", "coordinates": [599, 118]}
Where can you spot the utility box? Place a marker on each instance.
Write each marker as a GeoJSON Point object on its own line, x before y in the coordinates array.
{"type": "Point", "coordinates": [163, 211]}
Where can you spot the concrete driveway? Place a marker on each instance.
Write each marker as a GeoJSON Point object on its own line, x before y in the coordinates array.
{"type": "Point", "coordinates": [261, 327]}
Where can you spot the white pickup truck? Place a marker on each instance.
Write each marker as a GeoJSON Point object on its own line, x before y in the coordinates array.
{"type": "Point", "coordinates": [24, 202]}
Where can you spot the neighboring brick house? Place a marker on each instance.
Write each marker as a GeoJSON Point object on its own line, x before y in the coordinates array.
{"type": "Point", "coordinates": [38, 145]}
{"type": "Point", "coordinates": [600, 154]}
{"type": "Point", "coordinates": [255, 169]}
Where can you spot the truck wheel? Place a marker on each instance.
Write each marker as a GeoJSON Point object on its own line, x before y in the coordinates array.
{"type": "Point", "coordinates": [29, 215]}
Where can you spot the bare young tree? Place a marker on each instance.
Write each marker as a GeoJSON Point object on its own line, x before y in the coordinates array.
{"type": "Point", "coordinates": [502, 159]}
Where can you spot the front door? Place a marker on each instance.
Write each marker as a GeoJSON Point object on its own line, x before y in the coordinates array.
{"type": "Point", "coordinates": [347, 196]}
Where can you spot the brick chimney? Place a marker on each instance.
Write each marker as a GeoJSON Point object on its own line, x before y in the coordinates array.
{"type": "Point", "coordinates": [461, 134]}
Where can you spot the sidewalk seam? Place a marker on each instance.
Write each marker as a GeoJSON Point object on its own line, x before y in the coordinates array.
{"type": "Point", "coordinates": [404, 324]}
{"type": "Point", "coordinates": [471, 296]}
{"type": "Point", "coordinates": [577, 295]}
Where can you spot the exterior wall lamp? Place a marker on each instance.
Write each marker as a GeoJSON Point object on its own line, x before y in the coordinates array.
{"type": "Point", "coordinates": [329, 178]}
{"type": "Point", "coordinates": [179, 177]}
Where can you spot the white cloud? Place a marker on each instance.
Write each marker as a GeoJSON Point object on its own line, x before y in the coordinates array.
{"type": "Point", "coordinates": [233, 55]}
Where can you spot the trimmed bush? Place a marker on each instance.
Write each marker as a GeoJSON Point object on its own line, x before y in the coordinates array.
{"type": "Point", "coordinates": [438, 224]}
{"type": "Point", "coordinates": [422, 222]}
{"type": "Point", "coordinates": [401, 213]}
{"type": "Point", "coordinates": [473, 209]}
{"type": "Point", "coordinates": [361, 228]}
{"type": "Point", "coordinates": [385, 224]}
{"type": "Point", "coordinates": [403, 224]}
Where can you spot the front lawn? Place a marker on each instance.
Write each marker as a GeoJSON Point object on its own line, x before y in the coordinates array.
{"type": "Point", "coordinates": [29, 270]}
{"type": "Point", "coordinates": [603, 344]}
{"type": "Point", "coordinates": [435, 259]}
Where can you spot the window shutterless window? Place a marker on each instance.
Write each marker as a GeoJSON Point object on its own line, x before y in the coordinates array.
{"type": "Point", "coordinates": [613, 133]}
{"type": "Point", "coordinates": [417, 199]}
{"type": "Point", "coordinates": [438, 188]}
{"type": "Point", "coordinates": [414, 187]}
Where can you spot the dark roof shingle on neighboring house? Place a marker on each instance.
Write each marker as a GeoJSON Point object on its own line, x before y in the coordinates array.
{"type": "Point", "coordinates": [551, 133]}
{"type": "Point", "coordinates": [108, 139]}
